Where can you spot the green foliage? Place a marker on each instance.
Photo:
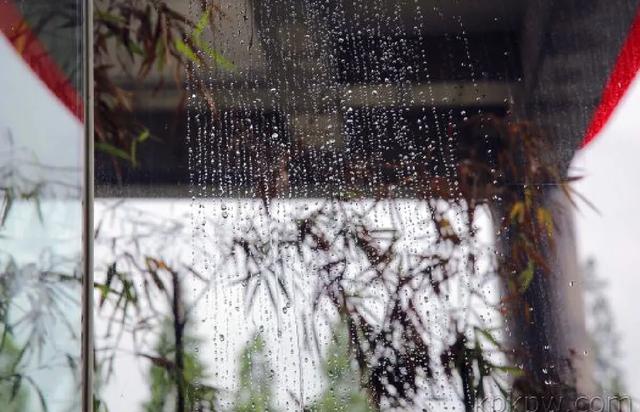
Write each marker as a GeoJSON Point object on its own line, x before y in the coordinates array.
{"type": "Point", "coordinates": [138, 38]}
{"type": "Point", "coordinates": [13, 395]}
{"type": "Point", "coordinates": [343, 392]}
{"type": "Point", "coordinates": [526, 276]}
{"type": "Point", "coordinates": [25, 328]}
{"type": "Point", "coordinates": [254, 393]}
{"type": "Point", "coordinates": [163, 380]}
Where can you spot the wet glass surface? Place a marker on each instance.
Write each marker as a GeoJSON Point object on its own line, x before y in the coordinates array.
{"type": "Point", "coordinates": [361, 205]}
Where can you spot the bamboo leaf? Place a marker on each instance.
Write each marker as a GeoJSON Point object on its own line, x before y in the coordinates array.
{"type": "Point", "coordinates": [545, 219]}
{"type": "Point", "coordinates": [511, 370]}
{"type": "Point", "coordinates": [104, 292]}
{"type": "Point", "coordinates": [143, 136]}
{"type": "Point", "coordinates": [489, 337]}
{"type": "Point", "coordinates": [6, 207]}
{"type": "Point", "coordinates": [186, 51]}
{"type": "Point", "coordinates": [113, 151]}
{"type": "Point", "coordinates": [41, 397]}
{"type": "Point", "coordinates": [109, 17]}
{"type": "Point", "coordinates": [517, 212]}
{"type": "Point", "coordinates": [218, 58]}
{"type": "Point", "coordinates": [134, 48]}
{"type": "Point", "coordinates": [202, 24]}
{"type": "Point", "coordinates": [526, 276]}
{"type": "Point", "coordinates": [15, 387]}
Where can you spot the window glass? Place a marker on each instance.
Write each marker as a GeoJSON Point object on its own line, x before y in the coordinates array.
{"type": "Point", "coordinates": [41, 166]}
{"type": "Point", "coordinates": [365, 205]}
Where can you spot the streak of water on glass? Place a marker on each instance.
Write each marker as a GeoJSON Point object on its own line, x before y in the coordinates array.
{"type": "Point", "coordinates": [246, 177]}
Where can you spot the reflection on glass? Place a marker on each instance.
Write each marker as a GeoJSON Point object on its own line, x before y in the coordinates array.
{"type": "Point", "coordinates": [41, 143]}
{"type": "Point", "coordinates": [347, 205]}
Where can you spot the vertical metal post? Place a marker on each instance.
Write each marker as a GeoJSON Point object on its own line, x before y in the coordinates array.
{"type": "Point", "coordinates": [87, 207]}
